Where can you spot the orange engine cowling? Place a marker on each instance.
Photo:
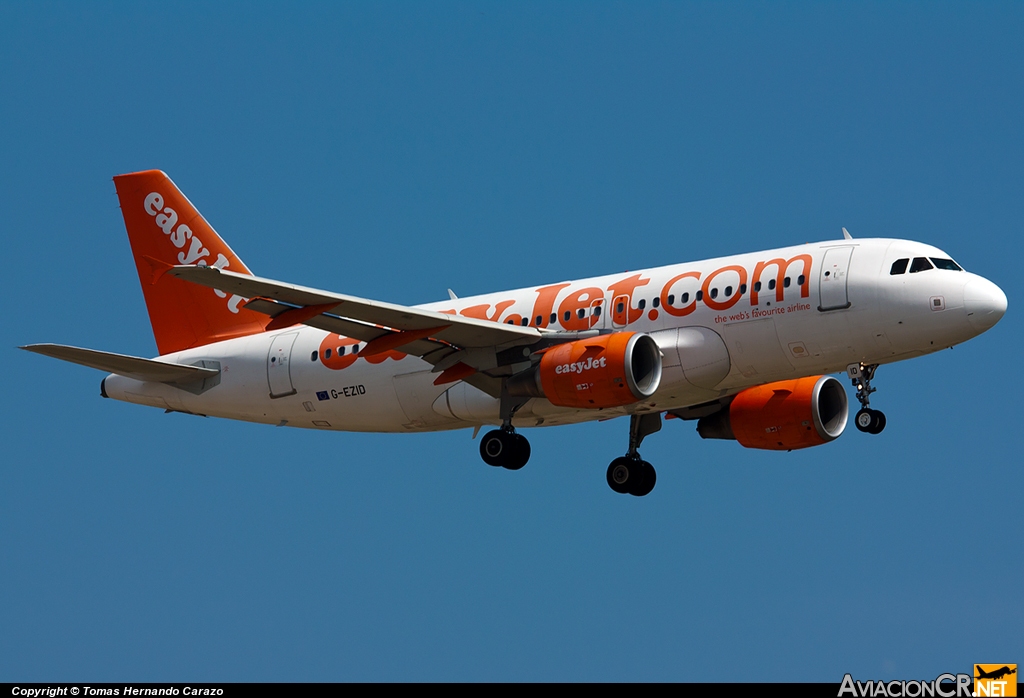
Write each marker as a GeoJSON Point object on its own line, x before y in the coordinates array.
{"type": "Point", "coordinates": [782, 416]}
{"type": "Point", "coordinates": [608, 371]}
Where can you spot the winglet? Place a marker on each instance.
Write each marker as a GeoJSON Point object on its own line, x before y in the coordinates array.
{"type": "Point", "coordinates": [846, 234]}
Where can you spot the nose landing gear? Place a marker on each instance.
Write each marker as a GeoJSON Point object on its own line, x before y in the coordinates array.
{"type": "Point", "coordinates": [867, 420]}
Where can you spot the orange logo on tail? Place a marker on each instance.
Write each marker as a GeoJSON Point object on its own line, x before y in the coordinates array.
{"type": "Point", "coordinates": [165, 229]}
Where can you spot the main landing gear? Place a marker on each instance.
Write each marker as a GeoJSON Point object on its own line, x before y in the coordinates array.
{"type": "Point", "coordinates": [867, 419]}
{"type": "Point", "coordinates": [630, 474]}
{"type": "Point", "coordinates": [505, 448]}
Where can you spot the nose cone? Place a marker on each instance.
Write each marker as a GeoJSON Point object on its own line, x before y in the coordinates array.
{"type": "Point", "coordinates": [984, 302]}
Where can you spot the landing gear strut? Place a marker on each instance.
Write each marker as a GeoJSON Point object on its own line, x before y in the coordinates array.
{"type": "Point", "coordinates": [630, 474]}
{"type": "Point", "coordinates": [867, 419]}
{"type": "Point", "coordinates": [504, 447]}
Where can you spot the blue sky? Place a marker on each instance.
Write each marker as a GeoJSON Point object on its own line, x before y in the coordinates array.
{"type": "Point", "coordinates": [395, 150]}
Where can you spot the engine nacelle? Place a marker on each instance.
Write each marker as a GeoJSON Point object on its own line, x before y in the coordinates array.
{"type": "Point", "coordinates": [782, 416]}
{"type": "Point", "coordinates": [611, 370]}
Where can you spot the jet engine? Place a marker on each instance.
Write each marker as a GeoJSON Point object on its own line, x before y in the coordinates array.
{"type": "Point", "coordinates": [782, 416]}
{"type": "Point", "coordinates": [611, 370]}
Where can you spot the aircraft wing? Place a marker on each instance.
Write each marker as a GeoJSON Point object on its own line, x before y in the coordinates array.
{"type": "Point", "coordinates": [456, 345]}
{"type": "Point", "coordinates": [121, 364]}
{"type": "Point", "coordinates": [463, 332]}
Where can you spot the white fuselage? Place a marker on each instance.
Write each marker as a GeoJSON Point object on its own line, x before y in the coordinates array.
{"type": "Point", "coordinates": [831, 305]}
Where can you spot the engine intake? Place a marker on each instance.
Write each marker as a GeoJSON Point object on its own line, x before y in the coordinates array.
{"type": "Point", "coordinates": [608, 371]}
{"type": "Point", "coordinates": [782, 416]}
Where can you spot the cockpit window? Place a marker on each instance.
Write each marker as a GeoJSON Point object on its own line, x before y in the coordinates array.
{"type": "Point", "coordinates": [949, 264]}
{"type": "Point", "coordinates": [899, 266]}
{"type": "Point", "coordinates": [920, 264]}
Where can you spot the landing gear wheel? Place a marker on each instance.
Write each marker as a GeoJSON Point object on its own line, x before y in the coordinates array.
{"type": "Point", "coordinates": [621, 474]}
{"type": "Point", "coordinates": [646, 483]}
{"type": "Point", "coordinates": [494, 448]}
{"type": "Point", "coordinates": [519, 452]}
{"type": "Point", "coordinates": [505, 449]}
{"type": "Point", "coordinates": [631, 476]}
{"type": "Point", "coordinates": [870, 421]}
{"type": "Point", "coordinates": [864, 419]}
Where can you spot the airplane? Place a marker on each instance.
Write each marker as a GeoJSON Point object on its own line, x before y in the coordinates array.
{"type": "Point", "coordinates": [995, 674]}
{"type": "Point", "coordinates": [743, 345]}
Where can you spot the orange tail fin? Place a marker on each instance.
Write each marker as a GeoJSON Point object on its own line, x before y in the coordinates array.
{"type": "Point", "coordinates": [165, 229]}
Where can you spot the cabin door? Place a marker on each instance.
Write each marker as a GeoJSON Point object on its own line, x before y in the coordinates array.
{"type": "Point", "coordinates": [279, 370]}
{"type": "Point", "coordinates": [832, 282]}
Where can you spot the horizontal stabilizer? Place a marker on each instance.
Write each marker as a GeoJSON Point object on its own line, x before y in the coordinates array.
{"type": "Point", "coordinates": [129, 366]}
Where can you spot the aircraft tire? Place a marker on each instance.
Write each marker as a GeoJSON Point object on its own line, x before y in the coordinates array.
{"type": "Point", "coordinates": [622, 472]}
{"type": "Point", "coordinates": [494, 448]}
{"type": "Point", "coordinates": [518, 452]}
{"type": "Point", "coordinates": [878, 424]}
{"type": "Point", "coordinates": [864, 420]}
{"type": "Point", "coordinates": [645, 483]}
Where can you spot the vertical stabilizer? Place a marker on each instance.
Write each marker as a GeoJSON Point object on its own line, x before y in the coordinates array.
{"type": "Point", "coordinates": [164, 230]}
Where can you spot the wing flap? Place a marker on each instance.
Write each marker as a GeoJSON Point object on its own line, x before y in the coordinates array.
{"type": "Point", "coordinates": [123, 365]}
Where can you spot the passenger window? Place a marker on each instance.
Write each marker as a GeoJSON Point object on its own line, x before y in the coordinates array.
{"type": "Point", "coordinates": [340, 350]}
{"type": "Point", "coordinates": [899, 266]}
{"type": "Point", "coordinates": [620, 307]}
{"type": "Point", "coordinates": [801, 279]}
{"type": "Point", "coordinates": [526, 321]}
{"type": "Point", "coordinates": [327, 354]}
{"type": "Point", "coordinates": [771, 285]}
{"type": "Point", "coordinates": [355, 348]}
{"type": "Point", "coordinates": [700, 294]}
{"type": "Point", "coordinates": [743, 289]}
{"type": "Point", "coordinates": [554, 319]}
{"type": "Point", "coordinates": [757, 286]}
{"type": "Point", "coordinates": [714, 293]}
{"type": "Point", "coordinates": [540, 319]}
{"type": "Point", "coordinates": [312, 357]}
{"type": "Point", "coordinates": [947, 264]}
{"type": "Point", "coordinates": [920, 264]}
{"type": "Point", "coordinates": [581, 313]}
{"type": "Point", "coordinates": [656, 302]}
{"type": "Point", "coordinates": [510, 321]}
{"type": "Point", "coordinates": [728, 290]}
{"type": "Point", "coordinates": [567, 315]}
{"type": "Point", "coordinates": [642, 304]}
{"type": "Point", "coordinates": [685, 298]}
{"type": "Point", "coordinates": [672, 299]}
{"type": "Point", "coordinates": [785, 282]}
{"type": "Point", "coordinates": [597, 311]}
